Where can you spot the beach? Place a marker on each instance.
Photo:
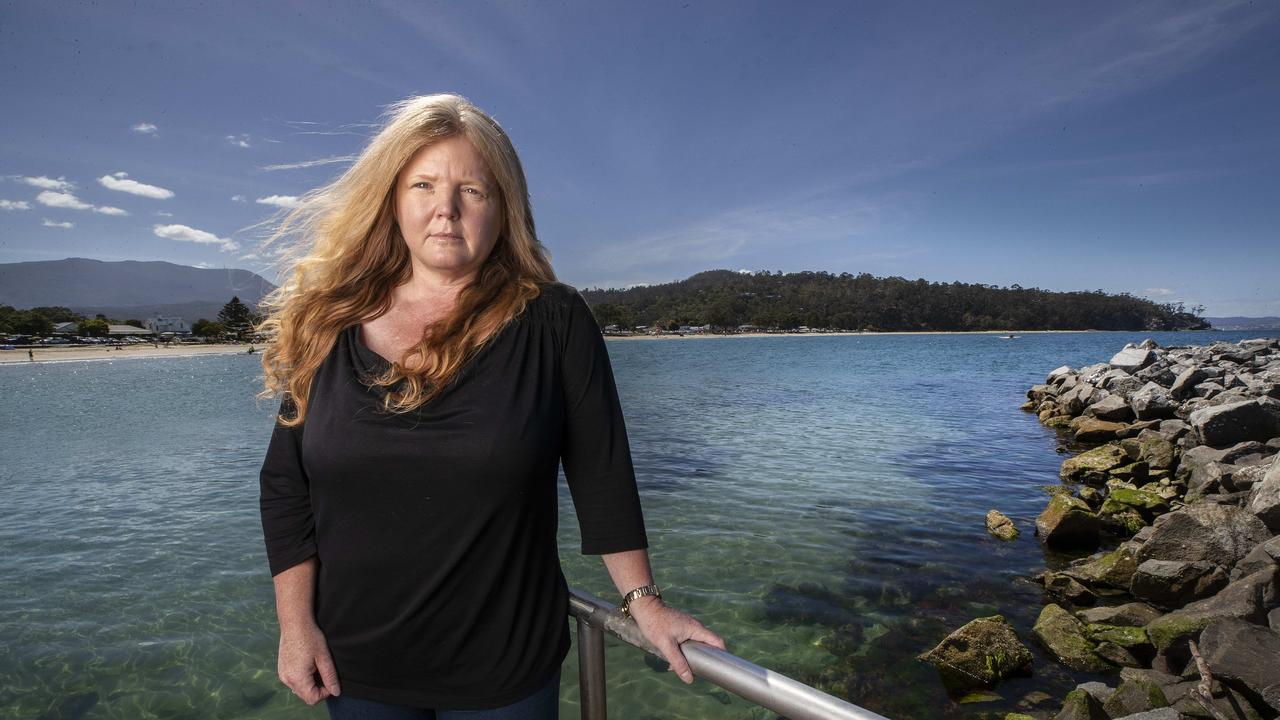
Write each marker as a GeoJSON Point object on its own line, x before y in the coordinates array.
{"type": "Point", "coordinates": [691, 336]}
{"type": "Point", "coordinates": [78, 353]}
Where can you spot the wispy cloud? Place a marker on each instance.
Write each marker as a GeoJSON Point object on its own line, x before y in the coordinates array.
{"type": "Point", "coordinates": [241, 141]}
{"type": "Point", "coordinates": [250, 256]}
{"type": "Point", "coordinates": [162, 213]}
{"type": "Point", "coordinates": [14, 205]}
{"type": "Point", "coordinates": [120, 181]}
{"type": "Point", "coordinates": [108, 210]}
{"type": "Point", "coordinates": [1157, 292]}
{"type": "Point", "coordinates": [64, 200]}
{"type": "Point", "coordinates": [310, 163]}
{"type": "Point", "coordinates": [64, 225]}
{"type": "Point", "coordinates": [184, 233]}
{"type": "Point", "coordinates": [145, 128]}
{"type": "Point", "coordinates": [239, 198]}
{"type": "Point", "coordinates": [311, 127]}
{"type": "Point", "coordinates": [283, 201]}
{"type": "Point", "coordinates": [61, 184]}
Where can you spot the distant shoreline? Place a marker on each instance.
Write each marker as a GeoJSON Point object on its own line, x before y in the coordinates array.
{"type": "Point", "coordinates": [694, 336]}
{"type": "Point", "coordinates": [82, 353]}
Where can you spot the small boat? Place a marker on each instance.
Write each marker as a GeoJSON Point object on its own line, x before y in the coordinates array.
{"type": "Point", "coordinates": [1009, 337]}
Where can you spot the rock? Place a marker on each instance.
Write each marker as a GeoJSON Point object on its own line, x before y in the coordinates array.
{"type": "Point", "coordinates": [1061, 586]}
{"type": "Point", "coordinates": [1075, 400]}
{"type": "Point", "coordinates": [978, 696]}
{"type": "Point", "coordinates": [1264, 499]}
{"type": "Point", "coordinates": [1206, 479]}
{"type": "Point", "coordinates": [1119, 656]}
{"type": "Point", "coordinates": [1056, 421]}
{"type": "Point", "coordinates": [1174, 583]}
{"type": "Point", "coordinates": [1091, 467]}
{"type": "Point", "coordinates": [1063, 636]}
{"type": "Point", "coordinates": [1134, 614]}
{"type": "Point", "coordinates": [1093, 430]}
{"type": "Point", "coordinates": [1133, 473]}
{"type": "Point", "coordinates": [1244, 478]}
{"type": "Point", "coordinates": [999, 525]}
{"type": "Point", "coordinates": [1265, 555]}
{"type": "Point", "coordinates": [1112, 407]}
{"type": "Point", "coordinates": [979, 654]}
{"type": "Point", "coordinates": [1245, 655]}
{"type": "Point", "coordinates": [1132, 359]}
{"type": "Point", "coordinates": [1248, 598]}
{"type": "Point", "coordinates": [1151, 402]}
{"type": "Point", "coordinates": [1099, 691]}
{"type": "Point", "coordinates": [1068, 522]}
{"type": "Point", "coordinates": [1273, 619]}
{"type": "Point", "coordinates": [1137, 693]}
{"type": "Point", "coordinates": [1124, 636]}
{"type": "Point", "coordinates": [1216, 533]}
{"type": "Point", "coordinates": [1164, 713]}
{"type": "Point", "coordinates": [1058, 373]}
{"type": "Point", "coordinates": [1232, 423]}
{"type": "Point", "coordinates": [1114, 569]}
{"type": "Point", "coordinates": [1148, 503]}
{"type": "Point", "coordinates": [1185, 381]}
{"type": "Point", "coordinates": [1080, 705]}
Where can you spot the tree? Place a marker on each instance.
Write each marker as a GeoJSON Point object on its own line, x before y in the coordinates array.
{"type": "Point", "coordinates": [93, 328]}
{"type": "Point", "coordinates": [237, 318]}
{"type": "Point", "coordinates": [205, 329]}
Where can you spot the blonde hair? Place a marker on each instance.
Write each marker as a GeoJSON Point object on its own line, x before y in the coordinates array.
{"type": "Point", "coordinates": [349, 255]}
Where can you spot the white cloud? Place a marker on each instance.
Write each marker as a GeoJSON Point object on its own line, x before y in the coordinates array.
{"type": "Point", "coordinates": [145, 128]}
{"type": "Point", "coordinates": [184, 233]}
{"type": "Point", "coordinates": [161, 213]}
{"type": "Point", "coordinates": [119, 181]}
{"type": "Point", "coordinates": [14, 205]}
{"type": "Point", "coordinates": [310, 163]}
{"type": "Point", "coordinates": [203, 265]}
{"type": "Point", "coordinates": [49, 183]}
{"type": "Point", "coordinates": [241, 140]}
{"type": "Point", "coordinates": [239, 198]}
{"type": "Point", "coordinates": [1161, 292]}
{"type": "Point", "coordinates": [284, 201]}
{"type": "Point", "coordinates": [65, 225]}
{"type": "Point", "coordinates": [250, 256]}
{"type": "Point", "coordinates": [108, 210]}
{"type": "Point", "coordinates": [63, 200]}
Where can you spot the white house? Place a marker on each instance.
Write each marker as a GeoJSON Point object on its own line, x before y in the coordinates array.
{"type": "Point", "coordinates": [168, 324]}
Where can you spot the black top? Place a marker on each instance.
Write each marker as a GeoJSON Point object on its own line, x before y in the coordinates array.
{"type": "Point", "coordinates": [439, 580]}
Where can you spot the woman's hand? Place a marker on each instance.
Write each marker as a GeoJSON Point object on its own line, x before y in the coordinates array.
{"type": "Point", "coordinates": [303, 654]}
{"type": "Point", "coordinates": [666, 628]}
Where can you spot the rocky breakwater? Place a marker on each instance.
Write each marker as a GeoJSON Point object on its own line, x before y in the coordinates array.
{"type": "Point", "coordinates": [1177, 489]}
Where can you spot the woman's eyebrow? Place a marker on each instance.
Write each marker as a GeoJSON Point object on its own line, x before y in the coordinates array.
{"type": "Point", "coordinates": [467, 180]}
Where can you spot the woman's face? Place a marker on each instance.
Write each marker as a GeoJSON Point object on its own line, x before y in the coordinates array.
{"type": "Point", "coordinates": [448, 208]}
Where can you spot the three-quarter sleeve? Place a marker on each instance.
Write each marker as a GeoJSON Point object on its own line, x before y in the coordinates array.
{"type": "Point", "coordinates": [285, 500]}
{"type": "Point", "coordinates": [596, 455]}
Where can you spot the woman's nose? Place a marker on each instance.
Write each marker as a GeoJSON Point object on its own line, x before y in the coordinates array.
{"type": "Point", "coordinates": [447, 205]}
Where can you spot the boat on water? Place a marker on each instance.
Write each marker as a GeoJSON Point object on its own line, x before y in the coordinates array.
{"type": "Point", "coordinates": [1009, 337]}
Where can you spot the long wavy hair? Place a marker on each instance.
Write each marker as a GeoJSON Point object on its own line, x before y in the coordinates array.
{"type": "Point", "coordinates": [343, 254]}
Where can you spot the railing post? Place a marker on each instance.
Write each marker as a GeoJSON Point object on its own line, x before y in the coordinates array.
{"type": "Point", "coordinates": [591, 671]}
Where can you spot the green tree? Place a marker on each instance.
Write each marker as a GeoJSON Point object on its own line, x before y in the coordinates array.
{"type": "Point", "coordinates": [206, 329]}
{"type": "Point", "coordinates": [93, 328]}
{"type": "Point", "coordinates": [237, 318]}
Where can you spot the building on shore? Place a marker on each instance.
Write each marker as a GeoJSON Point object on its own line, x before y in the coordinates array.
{"type": "Point", "coordinates": [67, 328]}
{"type": "Point", "coordinates": [175, 325]}
{"type": "Point", "coordinates": [122, 330]}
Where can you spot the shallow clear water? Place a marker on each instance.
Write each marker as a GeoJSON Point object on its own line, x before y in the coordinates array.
{"type": "Point", "coordinates": [818, 501]}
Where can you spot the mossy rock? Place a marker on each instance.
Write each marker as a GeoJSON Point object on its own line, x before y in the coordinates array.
{"type": "Point", "coordinates": [1167, 630]}
{"type": "Point", "coordinates": [1057, 422]}
{"type": "Point", "coordinates": [1092, 467]}
{"type": "Point", "coordinates": [979, 654]}
{"type": "Point", "coordinates": [1133, 472]}
{"type": "Point", "coordinates": [1136, 694]}
{"type": "Point", "coordinates": [1080, 705]}
{"type": "Point", "coordinates": [1063, 636]}
{"type": "Point", "coordinates": [1092, 430]}
{"type": "Point", "coordinates": [1125, 637]}
{"type": "Point", "coordinates": [1068, 522]}
{"type": "Point", "coordinates": [1114, 569]}
{"type": "Point", "coordinates": [1141, 500]}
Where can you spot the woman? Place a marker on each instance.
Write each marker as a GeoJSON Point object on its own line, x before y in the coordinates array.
{"type": "Point", "coordinates": [434, 377]}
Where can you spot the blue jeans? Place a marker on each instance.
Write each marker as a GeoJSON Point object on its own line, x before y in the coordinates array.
{"type": "Point", "coordinates": [543, 704]}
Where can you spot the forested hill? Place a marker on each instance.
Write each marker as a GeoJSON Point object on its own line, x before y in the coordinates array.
{"type": "Point", "coordinates": [725, 300]}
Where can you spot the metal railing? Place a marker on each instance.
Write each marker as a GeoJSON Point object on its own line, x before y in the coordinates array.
{"type": "Point", "coordinates": [762, 686]}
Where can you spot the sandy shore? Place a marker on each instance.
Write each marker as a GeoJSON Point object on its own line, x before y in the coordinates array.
{"type": "Point", "coordinates": [80, 353]}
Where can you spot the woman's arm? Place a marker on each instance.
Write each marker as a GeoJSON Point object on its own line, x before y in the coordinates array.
{"type": "Point", "coordinates": [661, 625]}
{"type": "Point", "coordinates": [303, 650]}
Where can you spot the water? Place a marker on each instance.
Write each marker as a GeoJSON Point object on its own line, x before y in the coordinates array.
{"type": "Point", "coordinates": [818, 501]}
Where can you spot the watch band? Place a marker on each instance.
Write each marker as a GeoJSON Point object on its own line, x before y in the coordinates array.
{"type": "Point", "coordinates": [638, 593]}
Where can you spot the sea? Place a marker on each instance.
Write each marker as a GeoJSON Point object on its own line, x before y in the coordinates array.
{"type": "Point", "coordinates": [818, 501]}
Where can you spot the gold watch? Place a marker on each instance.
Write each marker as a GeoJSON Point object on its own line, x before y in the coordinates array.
{"type": "Point", "coordinates": [638, 593]}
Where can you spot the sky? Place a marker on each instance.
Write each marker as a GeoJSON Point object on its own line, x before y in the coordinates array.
{"type": "Point", "coordinates": [1127, 147]}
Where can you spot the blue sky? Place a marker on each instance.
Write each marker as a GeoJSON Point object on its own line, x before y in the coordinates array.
{"type": "Point", "coordinates": [1128, 147]}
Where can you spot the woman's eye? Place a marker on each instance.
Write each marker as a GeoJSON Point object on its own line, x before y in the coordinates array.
{"type": "Point", "coordinates": [422, 183]}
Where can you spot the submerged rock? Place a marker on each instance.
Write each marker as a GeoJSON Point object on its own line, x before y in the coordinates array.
{"type": "Point", "coordinates": [979, 654]}
{"type": "Point", "coordinates": [999, 525]}
{"type": "Point", "coordinates": [1080, 705]}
